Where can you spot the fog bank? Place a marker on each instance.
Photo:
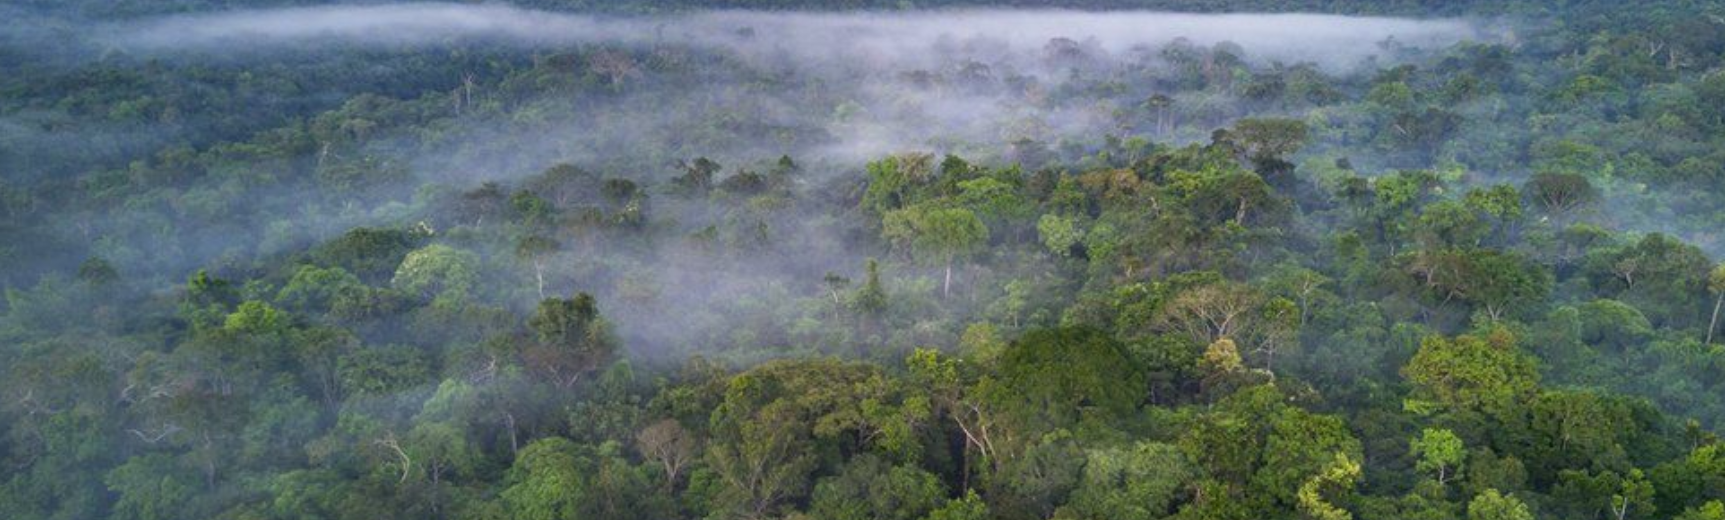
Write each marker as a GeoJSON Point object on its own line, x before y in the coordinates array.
{"type": "Point", "coordinates": [1326, 39]}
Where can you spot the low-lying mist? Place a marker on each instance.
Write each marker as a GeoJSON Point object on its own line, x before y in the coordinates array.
{"type": "Point", "coordinates": [847, 86]}
{"type": "Point", "coordinates": [828, 90]}
{"type": "Point", "coordinates": [875, 38]}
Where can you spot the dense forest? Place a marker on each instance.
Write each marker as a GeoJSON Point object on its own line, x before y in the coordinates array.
{"type": "Point", "coordinates": [860, 259]}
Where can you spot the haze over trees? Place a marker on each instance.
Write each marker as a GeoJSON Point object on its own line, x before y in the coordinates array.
{"type": "Point", "coordinates": [862, 260]}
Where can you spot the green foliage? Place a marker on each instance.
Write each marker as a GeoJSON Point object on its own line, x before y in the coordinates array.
{"type": "Point", "coordinates": [370, 253]}
{"type": "Point", "coordinates": [1137, 482]}
{"type": "Point", "coordinates": [1268, 139]}
{"type": "Point", "coordinates": [572, 339]}
{"type": "Point", "coordinates": [1491, 505]}
{"type": "Point", "coordinates": [1440, 452]}
{"type": "Point", "coordinates": [870, 488]}
{"type": "Point", "coordinates": [1059, 234]}
{"type": "Point", "coordinates": [315, 289]}
{"type": "Point", "coordinates": [438, 271]}
{"type": "Point", "coordinates": [1053, 378]}
{"type": "Point", "coordinates": [1712, 510]}
{"type": "Point", "coordinates": [546, 482]}
{"type": "Point", "coordinates": [1335, 479]}
{"type": "Point", "coordinates": [935, 235]}
{"type": "Point", "coordinates": [381, 370]}
{"type": "Point", "coordinates": [1471, 373]}
{"type": "Point", "coordinates": [151, 487]}
{"type": "Point", "coordinates": [969, 507]}
{"type": "Point", "coordinates": [255, 317]}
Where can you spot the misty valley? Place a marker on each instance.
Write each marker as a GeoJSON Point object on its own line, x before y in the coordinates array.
{"type": "Point", "coordinates": [862, 260]}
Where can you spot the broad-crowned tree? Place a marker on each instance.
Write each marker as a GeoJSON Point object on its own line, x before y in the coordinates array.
{"type": "Point", "coordinates": [570, 339]}
{"type": "Point", "coordinates": [439, 272]}
{"type": "Point", "coordinates": [1439, 452]}
{"type": "Point", "coordinates": [1473, 373]}
{"type": "Point", "coordinates": [936, 235]}
{"type": "Point", "coordinates": [1142, 481]}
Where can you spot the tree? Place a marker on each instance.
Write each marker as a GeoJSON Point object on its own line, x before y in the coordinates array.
{"type": "Point", "coordinates": [1636, 493]}
{"type": "Point", "coordinates": [1161, 104]}
{"type": "Point", "coordinates": [1487, 470]}
{"type": "Point", "coordinates": [1318, 495]}
{"type": "Point", "coordinates": [1059, 233]}
{"type": "Point", "coordinates": [438, 271]}
{"type": "Point", "coordinates": [778, 417]}
{"type": "Point", "coordinates": [869, 488]}
{"type": "Point", "coordinates": [994, 201]}
{"type": "Point", "coordinates": [257, 318]}
{"type": "Point", "coordinates": [1225, 371]}
{"type": "Point", "coordinates": [572, 339]}
{"type": "Point", "coordinates": [372, 254]}
{"type": "Point", "coordinates": [546, 482]}
{"type": "Point", "coordinates": [1262, 140]}
{"type": "Point", "coordinates": [381, 370]}
{"type": "Point", "coordinates": [151, 487]}
{"type": "Point", "coordinates": [1449, 223]}
{"type": "Point", "coordinates": [1579, 429]}
{"type": "Point", "coordinates": [439, 438]}
{"type": "Point", "coordinates": [1560, 193]}
{"type": "Point", "coordinates": [1471, 373]}
{"type": "Point", "coordinates": [955, 391]}
{"type": "Point", "coordinates": [1494, 282]}
{"type": "Point", "coordinates": [1491, 505]}
{"type": "Point", "coordinates": [1211, 312]}
{"type": "Point", "coordinates": [530, 210]}
{"type": "Point", "coordinates": [1221, 357]}
{"type": "Point", "coordinates": [1137, 482]}
{"type": "Point", "coordinates": [1501, 203]}
{"type": "Point", "coordinates": [871, 297]}
{"type": "Point", "coordinates": [1302, 450]}
{"type": "Point", "coordinates": [893, 182]}
{"type": "Point", "coordinates": [697, 177]}
{"type": "Point", "coordinates": [1662, 276]}
{"type": "Point", "coordinates": [1499, 282]}
{"type": "Point", "coordinates": [564, 184]}
{"type": "Point", "coordinates": [1440, 451]}
{"type": "Point", "coordinates": [669, 444]}
{"type": "Point", "coordinates": [1712, 510]}
{"type": "Point", "coordinates": [1049, 378]}
{"type": "Point", "coordinates": [488, 200]}
{"type": "Point", "coordinates": [937, 235]}
{"type": "Point", "coordinates": [1219, 197]}
{"type": "Point", "coordinates": [97, 272]}
{"type": "Point", "coordinates": [534, 249]}
{"type": "Point", "coordinates": [1035, 482]}
{"type": "Point", "coordinates": [1715, 285]}
{"type": "Point", "coordinates": [312, 288]}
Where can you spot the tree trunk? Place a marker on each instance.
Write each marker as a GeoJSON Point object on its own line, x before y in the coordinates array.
{"type": "Point", "coordinates": [514, 443]}
{"type": "Point", "coordinates": [946, 288]}
{"type": "Point", "coordinates": [1714, 322]}
{"type": "Point", "coordinates": [964, 462]}
{"type": "Point", "coordinates": [539, 273]}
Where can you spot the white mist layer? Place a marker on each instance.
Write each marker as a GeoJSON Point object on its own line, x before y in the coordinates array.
{"type": "Point", "coordinates": [871, 37]}
{"type": "Point", "coordinates": [830, 90]}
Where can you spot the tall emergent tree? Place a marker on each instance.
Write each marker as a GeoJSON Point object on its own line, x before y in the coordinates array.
{"type": "Point", "coordinates": [937, 235]}
{"type": "Point", "coordinates": [571, 339]}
